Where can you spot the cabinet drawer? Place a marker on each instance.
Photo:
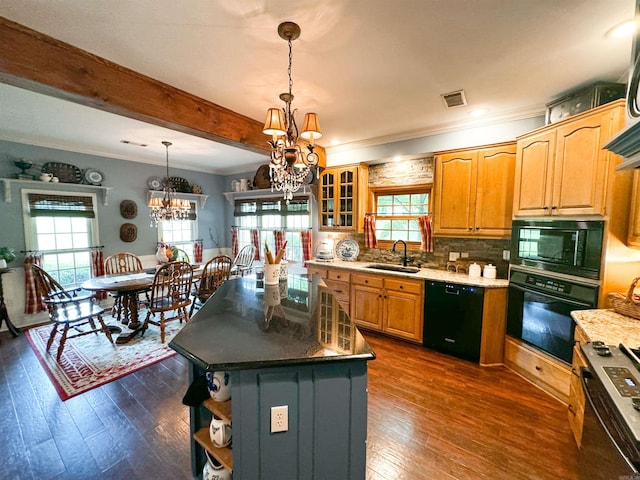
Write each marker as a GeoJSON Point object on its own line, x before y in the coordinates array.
{"type": "Point", "coordinates": [369, 280]}
{"type": "Point", "coordinates": [340, 290]}
{"type": "Point", "coordinates": [409, 286]}
{"type": "Point", "coordinates": [339, 275]}
{"type": "Point", "coordinates": [549, 374]}
{"type": "Point", "coordinates": [321, 272]}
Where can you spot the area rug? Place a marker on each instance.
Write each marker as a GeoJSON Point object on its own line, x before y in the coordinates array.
{"type": "Point", "coordinates": [90, 361]}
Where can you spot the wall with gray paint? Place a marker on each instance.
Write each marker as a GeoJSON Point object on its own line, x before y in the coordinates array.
{"type": "Point", "coordinates": [129, 182]}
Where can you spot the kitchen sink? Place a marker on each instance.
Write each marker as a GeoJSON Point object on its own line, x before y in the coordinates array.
{"type": "Point", "coordinates": [393, 268]}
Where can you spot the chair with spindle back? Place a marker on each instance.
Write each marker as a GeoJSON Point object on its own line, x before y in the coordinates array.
{"type": "Point", "coordinates": [243, 263]}
{"type": "Point", "coordinates": [123, 262]}
{"type": "Point", "coordinates": [170, 292]}
{"type": "Point", "coordinates": [214, 274]}
{"type": "Point", "coordinates": [69, 309]}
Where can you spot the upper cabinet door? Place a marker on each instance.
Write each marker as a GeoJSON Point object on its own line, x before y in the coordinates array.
{"type": "Point", "coordinates": [581, 166]}
{"type": "Point", "coordinates": [494, 191]}
{"type": "Point", "coordinates": [455, 194]}
{"type": "Point", "coordinates": [343, 197]}
{"type": "Point", "coordinates": [534, 170]}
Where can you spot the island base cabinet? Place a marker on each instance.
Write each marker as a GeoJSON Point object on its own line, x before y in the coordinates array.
{"type": "Point", "coordinates": [327, 417]}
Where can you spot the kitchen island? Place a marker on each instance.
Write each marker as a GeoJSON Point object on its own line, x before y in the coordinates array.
{"type": "Point", "coordinates": [283, 345]}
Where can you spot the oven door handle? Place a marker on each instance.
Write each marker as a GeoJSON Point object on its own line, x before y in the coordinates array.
{"type": "Point", "coordinates": [549, 295]}
{"type": "Point", "coordinates": [584, 374]}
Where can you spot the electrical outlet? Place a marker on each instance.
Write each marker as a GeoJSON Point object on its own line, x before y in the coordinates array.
{"type": "Point", "coordinates": [279, 419]}
{"type": "Point", "coordinates": [506, 255]}
{"type": "Point", "coordinates": [453, 256]}
{"type": "Point", "coordinates": [464, 255]}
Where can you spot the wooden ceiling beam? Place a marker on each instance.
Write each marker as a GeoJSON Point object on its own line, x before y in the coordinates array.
{"type": "Point", "coordinates": [37, 62]}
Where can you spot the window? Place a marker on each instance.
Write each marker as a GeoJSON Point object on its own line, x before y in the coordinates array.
{"type": "Point", "coordinates": [397, 210]}
{"type": "Point", "coordinates": [269, 214]}
{"type": "Point", "coordinates": [180, 233]}
{"type": "Point", "coordinates": [62, 227]}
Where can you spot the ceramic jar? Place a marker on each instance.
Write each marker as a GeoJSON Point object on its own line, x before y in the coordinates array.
{"type": "Point", "coordinates": [474, 270]}
{"type": "Point", "coordinates": [220, 431]}
{"type": "Point", "coordinates": [46, 177]}
{"type": "Point", "coordinates": [213, 470]}
{"type": "Point", "coordinates": [489, 271]}
{"type": "Point", "coordinates": [219, 386]}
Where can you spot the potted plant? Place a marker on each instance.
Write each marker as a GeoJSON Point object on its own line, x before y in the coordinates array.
{"type": "Point", "coordinates": [6, 255]}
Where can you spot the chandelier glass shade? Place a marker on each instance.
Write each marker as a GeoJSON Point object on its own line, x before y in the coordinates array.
{"type": "Point", "coordinates": [167, 206]}
{"type": "Point", "coordinates": [290, 163]}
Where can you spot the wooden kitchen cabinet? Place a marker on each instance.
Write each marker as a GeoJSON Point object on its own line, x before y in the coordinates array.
{"type": "Point", "coordinates": [391, 305]}
{"type": "Point", "coordinates": [633, 237]}
{"type": "Point", "coordinates": [575, 407]}
{"type": "Point", "coordinates": [473, 191]}
{"type": "Point", "coordinates": [344, 197]}
{"type": "Point", "coordinates": [561, 169]}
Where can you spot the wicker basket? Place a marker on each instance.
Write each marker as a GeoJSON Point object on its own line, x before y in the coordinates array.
{"type": "Point", "coordinates": [626, 304]}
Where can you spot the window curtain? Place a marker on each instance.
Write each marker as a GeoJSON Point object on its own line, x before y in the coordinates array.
{"type": "Point", "coordinates": [32, 299]}
{"type": "Point", "coordinates": [426, 233]}
{"type": "Point", "coordinates": [97, 268]}
{"type": "Point", "coordinates": [235, 247]}
{"type": "Point", "coordinates": [198, 246]}
{"type": "Point", "coordinates": [279, 241]}
{"type": "Point", "coordinates": [370, 239]}
{"type": "Point", "coordinates": [305, 241]}
{"type": "Point", "coordinates": [255, 241]}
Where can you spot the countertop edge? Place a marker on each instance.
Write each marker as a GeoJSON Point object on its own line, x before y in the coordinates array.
{"type": "Point", "coordinates": [423, 274]}
{"type": "Point", "coordinates": [608, 326]}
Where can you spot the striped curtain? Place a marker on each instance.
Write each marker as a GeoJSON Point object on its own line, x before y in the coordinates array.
{"type": "Point", "coordinates": [198, 246]}
{"type": "Point", "coordinates": [305, 240]}
{"type": "Point", "coordinates": [255, 241]}
{"type": "Point", "coordinates": [235, 246]}
{"type": "Point", "coordinates": [370, 239]}
{"type": "Point", "coordinates": [97, 268]}
{"type": "Point", "coordinates": [278, 236]}
{"type": "Point", "coordinates": [32, 299]}
{"type": "Point", "coordinates": [425, 231]}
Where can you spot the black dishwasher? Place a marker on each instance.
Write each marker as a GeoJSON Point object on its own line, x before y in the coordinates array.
{"type": "Point", "coordinates": [453, 319]}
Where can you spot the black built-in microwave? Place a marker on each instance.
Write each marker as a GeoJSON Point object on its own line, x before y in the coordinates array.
{"type": "Point", "coordinates": [572, 247]}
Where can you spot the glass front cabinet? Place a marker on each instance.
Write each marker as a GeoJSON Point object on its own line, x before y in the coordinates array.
{"type": "Point", "coordinates": [344, 197]}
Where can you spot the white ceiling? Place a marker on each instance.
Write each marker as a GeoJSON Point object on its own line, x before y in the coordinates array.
{"type": "Point", "coordinates": [372, 69]}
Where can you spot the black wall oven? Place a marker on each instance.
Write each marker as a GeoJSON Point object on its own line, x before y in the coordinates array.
{"type": "Point", "coordinates": [572, 247]}
{"type": "Point", "coordinates": [539, 309]}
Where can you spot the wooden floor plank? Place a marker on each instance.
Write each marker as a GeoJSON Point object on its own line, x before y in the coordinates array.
{"type": "Point", "coordinates": [431, 416]}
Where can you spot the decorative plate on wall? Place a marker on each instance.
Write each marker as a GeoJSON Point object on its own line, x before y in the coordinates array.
{"type": "Point", "coordinates": [347, 249]}
{"type": "Point", "coordinates": [66, 173]}
{"type": "Point", "coordinates": [128, 232]}
{"type": "Point", "coordinates": [93, 176]}
{"type": "Point", "coordinates": [128, 209]}
{"type": "Point", "coordinates": [154, 183]}
{"type": "Point", "coordinates": [262, 179]}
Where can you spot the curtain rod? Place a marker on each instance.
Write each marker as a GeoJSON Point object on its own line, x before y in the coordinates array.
{"type": "Point", "coordinates": [34, 251]}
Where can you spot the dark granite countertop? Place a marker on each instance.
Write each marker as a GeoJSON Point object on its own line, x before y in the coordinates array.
{"type": "Point", "coordinates": [245, 325]}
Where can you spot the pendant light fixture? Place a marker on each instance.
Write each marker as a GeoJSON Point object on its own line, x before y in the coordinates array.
{"type": "Point", "coordinates": [168, 207]}
{"type": "Point", "coordinates": [290, 162]}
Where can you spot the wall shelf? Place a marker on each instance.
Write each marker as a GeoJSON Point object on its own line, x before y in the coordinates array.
{"type": "Point", "coordinates": [195, 197]}
{"type": "Point", "coordinates": [8, 185]}
{"type": "Point", "coordinates": [305, 191]}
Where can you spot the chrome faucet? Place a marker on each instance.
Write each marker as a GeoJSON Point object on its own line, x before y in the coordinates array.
{"type": "Point", "coordinates": [404, 258]}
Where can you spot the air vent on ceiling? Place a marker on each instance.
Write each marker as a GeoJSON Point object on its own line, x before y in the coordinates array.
{"type": "Point", "coordinates": [129, 142]}
{"type": "Point", "coordinates": [454, 99]}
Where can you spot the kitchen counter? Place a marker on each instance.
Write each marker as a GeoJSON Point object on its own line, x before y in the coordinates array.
{"type": "Point", "coordinates": [424, 273]}
{"type": "Point", "coordinates": [608, 326]}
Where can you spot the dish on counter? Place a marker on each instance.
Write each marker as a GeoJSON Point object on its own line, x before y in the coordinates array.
{"type": "Point", "coordinates": [63, 171]}
{"type": "Point", "coordinates": [93, 176]}
{"type": "Point", "coordinates": [347, 249]}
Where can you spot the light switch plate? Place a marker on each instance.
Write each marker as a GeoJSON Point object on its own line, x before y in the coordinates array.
{"type": "Point", "coordinates": [506, 255]}
{"type": "Point", "coordinates": [453, 256]}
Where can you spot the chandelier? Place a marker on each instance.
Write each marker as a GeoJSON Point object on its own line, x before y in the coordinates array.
{"type": "Point", "coordinates": [168, 207]}
{"type": "Point", "coordinates": [290, 163]}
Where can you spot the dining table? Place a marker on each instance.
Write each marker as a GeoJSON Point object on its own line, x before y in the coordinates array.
{"type": "Point", "coordinates": [128, 286]}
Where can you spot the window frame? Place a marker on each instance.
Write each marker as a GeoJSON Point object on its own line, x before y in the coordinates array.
{"type": "Point", "coordinates": [400, 190]}
{"type": "Point", "coordinates": [30, 231]}
{"type": "Point", "coordinates": [194, 232]}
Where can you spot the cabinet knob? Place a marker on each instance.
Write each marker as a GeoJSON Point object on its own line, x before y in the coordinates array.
{"type": "Point", "coordinates": [401, 287]}
{"type": "Point", "coordinates": [555, 207]}
{"type": "Point", "coordinates": [477, 228]}
{"type": "Point", "coordinates": [470, 228]}
{"type": "Point", "coordinates": [538, 368]}
{"type": "Point", "coordinates": [366, 281]}
{"type": "Point", "coordinates": [545, 207]}
{"type": "Point", "coordinates": [571, 409]}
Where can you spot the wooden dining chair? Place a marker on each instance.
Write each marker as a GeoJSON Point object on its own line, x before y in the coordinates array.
{"type": "Point", "coordinates": [72, 311]}
{"type": "Point", "coordinates": [123, 262]}
{"type": "Point", "coordinates": [214, 274]}
{"type": "Point", "coordinates": [243, 263]}
{"type": "Point", "coordinates": [170, 292]}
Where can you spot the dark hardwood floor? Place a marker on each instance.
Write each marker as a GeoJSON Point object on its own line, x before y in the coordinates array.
{"type": "Point", "coordinates": [431, 416]}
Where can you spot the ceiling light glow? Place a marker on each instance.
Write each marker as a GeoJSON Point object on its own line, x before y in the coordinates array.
{"type": "Point", "coordinates": [478, 112]}
{"type": "Point", "coordinates": [622, 30]}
